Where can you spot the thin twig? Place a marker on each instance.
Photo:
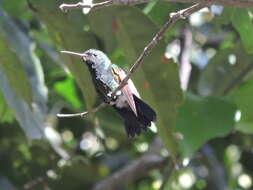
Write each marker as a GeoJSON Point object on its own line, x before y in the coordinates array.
{"type": "Point", "coordinates": [238, 79]}
{"type": "Point", "coordinates": [96, 109]}
{"type": "Point", "coordinates": [81, 5]}
{"type": "Point", "coordinates": [226, 3]}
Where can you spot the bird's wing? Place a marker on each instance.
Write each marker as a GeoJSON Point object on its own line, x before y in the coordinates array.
{"type": "Point", "coordinates": [119, 75]}
{"type": "Point", "coordinates": [133, 89]}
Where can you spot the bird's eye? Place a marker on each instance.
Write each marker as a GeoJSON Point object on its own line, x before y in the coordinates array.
{"type": "Point", "coordinates": [95, 55]}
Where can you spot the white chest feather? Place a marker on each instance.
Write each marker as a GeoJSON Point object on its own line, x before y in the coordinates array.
{"type": "Point", "coordinates": [121, 101]}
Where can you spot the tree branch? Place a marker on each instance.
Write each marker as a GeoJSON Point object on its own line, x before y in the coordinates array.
{"type": "Point", "coordinates": [34, 182]}
{"type": "Point", "coordinates": [135, 169]}
{"type": "Point", "coordinates": [130, 173]}
{"type": "Point", "coordinates": [174, 17]}
{"type": "Point", "coordinates": [168, 172]}
{"type": "Point", "coordinates": [227, 3]}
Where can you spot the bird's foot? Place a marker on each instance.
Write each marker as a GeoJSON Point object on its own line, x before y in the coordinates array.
{"type": "Point", "coordinates": [114, 97]}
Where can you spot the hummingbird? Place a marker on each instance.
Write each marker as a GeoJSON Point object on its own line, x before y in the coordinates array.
{"type": "Point", "coordinates": [137, 115]}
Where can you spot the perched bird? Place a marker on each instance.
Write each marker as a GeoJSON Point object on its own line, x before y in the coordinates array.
{"type": "Point", "coordinates": [106, 77]}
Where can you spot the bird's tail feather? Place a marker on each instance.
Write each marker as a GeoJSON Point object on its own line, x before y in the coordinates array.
{"type": "Point", "coordinates": [144, 109]}
{"type": "Point", "coordinates": [135, 124]}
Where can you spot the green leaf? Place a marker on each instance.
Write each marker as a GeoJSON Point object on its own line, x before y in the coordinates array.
{"type": "Point", "coordinates": [102, 23]}
{"type": "Point", "coordinates": [159, 12]}
{"type": "Point", "coordinates": [6, 115]}
{"type": "Point", "coordinates": [15, 71]}
{"type": "Point", "coordinates": [225, 18]}
{"type": "Point", "coordinates": [243, 98]}
{"type": "Point", "coordinates": [67, 89]}
{"type": "Point", "coordinates": [30, 121]}
{"type": "Point", "coordinates": [157, 79]}
{"type": "Point", "coordinates": [21, 72]}
{"type": "Point", "coordinates": [78, 174]}
{"type": "Point", "coordinates": [242, 22]}
{"type": "Point", "coordinates": [67, 31]}
{"type": "Point", "coordinates": [17, 8]}
{"type": "Point", "coordinates": [23, 47]}
{"type": "Point", "coordinates": [203, 118]}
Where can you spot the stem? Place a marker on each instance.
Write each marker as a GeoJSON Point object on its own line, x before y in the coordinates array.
{"type": "Point", "coordinates": [83, 114]}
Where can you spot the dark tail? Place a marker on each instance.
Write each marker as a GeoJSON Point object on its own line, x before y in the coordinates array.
{"type": "Point", "coordinates": [134, 125]}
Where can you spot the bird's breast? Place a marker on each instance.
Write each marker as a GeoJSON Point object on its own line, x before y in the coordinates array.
{"type": "Point", "coordinates": [103, 73]}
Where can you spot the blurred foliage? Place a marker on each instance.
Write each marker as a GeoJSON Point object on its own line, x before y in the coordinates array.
{"type": "Point", "coordinates": [209, 127]}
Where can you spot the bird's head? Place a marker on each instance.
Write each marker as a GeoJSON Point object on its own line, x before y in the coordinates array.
{"type": "Point", "coordinates": [92, 57]}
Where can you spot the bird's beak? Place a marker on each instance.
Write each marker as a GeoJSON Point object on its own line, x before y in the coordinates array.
{"type": "Point", "coordinates": [83, 55]}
